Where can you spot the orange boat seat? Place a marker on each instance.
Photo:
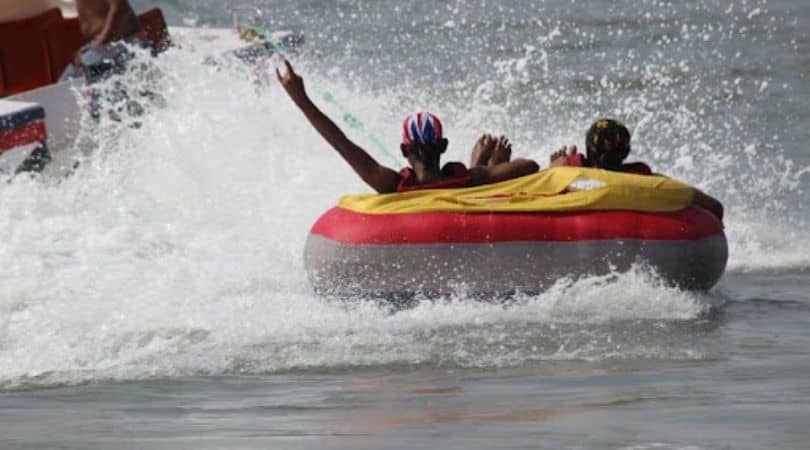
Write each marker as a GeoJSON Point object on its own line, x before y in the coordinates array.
{"type": "Point", "coordinates": [154, 25]}
{"type": "Point", "coordinates": [63, 40]}
{"type": "Point", "coordinates": [24, 61]}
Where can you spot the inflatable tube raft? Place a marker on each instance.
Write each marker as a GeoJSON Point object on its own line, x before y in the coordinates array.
{"type": "Point", "coordinates": [520, 235]}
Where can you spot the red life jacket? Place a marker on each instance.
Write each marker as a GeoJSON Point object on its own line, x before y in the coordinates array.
{"type": "Point", "coordinates": [575, 160]}
{"type": "Point", "coordinates": [454, 175]}
{"type": "Point", "coordinates": [638, 168]}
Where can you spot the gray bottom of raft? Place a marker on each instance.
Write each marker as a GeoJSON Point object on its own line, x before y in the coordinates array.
{"type": "Point", "coordinates": [481, 270]}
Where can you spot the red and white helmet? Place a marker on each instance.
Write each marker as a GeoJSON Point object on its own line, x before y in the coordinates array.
{"type": "Point", "coordinates": [422, 128]}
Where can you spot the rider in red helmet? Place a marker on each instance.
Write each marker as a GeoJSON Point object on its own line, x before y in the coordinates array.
{"type": "Point", "coordinates": [422, 144]}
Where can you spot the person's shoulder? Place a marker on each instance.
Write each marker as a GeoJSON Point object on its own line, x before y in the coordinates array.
{"type": "Point", "coordinates": [455, 169]}
{"type": "Point", "coordinates": [638, 168]}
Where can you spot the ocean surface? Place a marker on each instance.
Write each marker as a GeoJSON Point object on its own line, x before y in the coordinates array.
{"type": "Point", "coordinates": [157, 298]}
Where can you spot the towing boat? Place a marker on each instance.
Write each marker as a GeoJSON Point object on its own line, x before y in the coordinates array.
{"type": "Point", "coordinates": [40, 116]}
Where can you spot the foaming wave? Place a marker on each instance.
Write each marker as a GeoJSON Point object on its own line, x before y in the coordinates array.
{"type": "Point", "coordinates": [643, 295]}
{"type": "Point", "coordinates": [205, 201]}
{"type": "Point", "coordinates": [772, 247]}
{"type": "Point", "coordinates": [214, 324]}
{"type": "Point", "coordinates": [175, 249]}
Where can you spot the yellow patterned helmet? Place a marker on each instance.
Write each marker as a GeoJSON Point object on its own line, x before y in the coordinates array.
{"type": "Point", "coordinates": [607, 143]}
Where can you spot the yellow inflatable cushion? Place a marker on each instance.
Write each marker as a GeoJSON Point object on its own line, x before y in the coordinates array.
{"type": "Point", "coordinates": [553, 190]}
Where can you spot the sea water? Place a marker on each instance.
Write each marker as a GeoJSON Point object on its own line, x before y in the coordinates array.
{"type": "Point", "coordinates": [157, 297]}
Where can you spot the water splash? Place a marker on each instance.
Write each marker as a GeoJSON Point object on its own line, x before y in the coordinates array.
{"type": "Point", "coordinates": [175, 248]}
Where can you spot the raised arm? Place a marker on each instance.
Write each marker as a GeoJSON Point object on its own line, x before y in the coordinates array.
{"type": "Point", "coordinates": [382, 179]}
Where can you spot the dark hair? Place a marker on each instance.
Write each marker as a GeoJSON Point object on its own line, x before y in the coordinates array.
{"type": "Point", "coordinates": [607, 143]}
{"type": "Point", "coordinates": [429, 152]}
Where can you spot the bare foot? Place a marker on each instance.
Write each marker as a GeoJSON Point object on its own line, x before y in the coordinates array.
{"type": "Point", "coordinates": [482, 150]}
{"type": "Point", "coordinates": [557, 159]}
{"type": "Point", "coordinates": [502, 153]}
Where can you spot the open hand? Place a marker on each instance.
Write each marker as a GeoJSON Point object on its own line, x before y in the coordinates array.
{"type": "Point", "coordinates": [291, 82]}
